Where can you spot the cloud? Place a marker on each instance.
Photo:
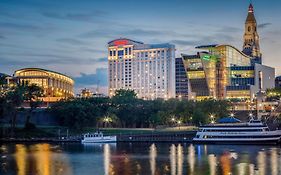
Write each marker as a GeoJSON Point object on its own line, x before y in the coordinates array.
{"type": "Point", "coordinates": [2, 37]}
{"type": "Point", "coordinates": [18, 26]}
{"type": "Point", "coordinates": [228, 29]}
{"type": "Point", "coordinates": [142, 32]}
{"type": "Point", "coordinates": [72, 41]}
{"type": "Point", "coordinates": [185, 42]}
{"type": "Point", "coordinates": [264, 25]}
{"type": "Point", "coordinates": [15, 28]}
{"type": "Point", "coordinates": [93, 50]}
{"type": "Point", "coordinates": [99, 78]}
{"type": "Point", "coordinates": [85, 17]}
{"type": "Point", "coordinates": [113, 33]}
{"type": "Point", "coordinates": [49, 59]}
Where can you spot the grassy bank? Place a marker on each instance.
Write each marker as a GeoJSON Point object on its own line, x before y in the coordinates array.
{"type": "Point", "coordinates": [55, 131]}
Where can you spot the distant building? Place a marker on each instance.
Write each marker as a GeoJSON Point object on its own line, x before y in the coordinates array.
{"type": "Point", "coordinates": [181, 79]}
{"type": "Point", "coordinates": [148, 69]}
{"type": "Point", "coordinates": [86, 93]}
{"type": "Point", "coordinates": [278, 82]}
{"type": "Point", "coordinates": [56, 86]}
{"type": "Point", "coordinates": [223, 72]}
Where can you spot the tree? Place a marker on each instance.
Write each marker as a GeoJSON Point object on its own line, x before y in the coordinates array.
{"type": "Point", "coordinates": [125, 104]}
{"type": "Point", "coordinates": [32, 96]}
{"type": "Point", "coordinates": [14, 98]}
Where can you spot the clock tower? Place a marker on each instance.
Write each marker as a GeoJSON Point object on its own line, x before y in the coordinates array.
{"type": "Point", "coordinates": [251, 45]}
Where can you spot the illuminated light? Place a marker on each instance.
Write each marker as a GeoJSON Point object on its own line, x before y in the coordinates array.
{"type": "Point", "coordinates": [120, 42]}
{"type": "Point", "coordinates": [206, 57]}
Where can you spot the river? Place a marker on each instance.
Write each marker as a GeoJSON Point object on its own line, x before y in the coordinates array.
{"type": "Point", "coordinates": [139, 158]}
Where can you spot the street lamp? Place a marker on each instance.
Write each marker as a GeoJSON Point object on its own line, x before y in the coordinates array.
{"type": "Point", "coordinates": [179, 123]}
{"type": "Point", "coordinates": [106, 120]}
{"type": "Point", "coordinates": [212, 117]}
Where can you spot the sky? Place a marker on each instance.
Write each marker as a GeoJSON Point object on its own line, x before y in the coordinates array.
{"type": "Point", "coordinates": [71, 36]}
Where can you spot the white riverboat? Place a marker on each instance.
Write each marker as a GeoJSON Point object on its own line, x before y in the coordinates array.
{"type": "Point", "coordinates": [232, 130]}
{"type": "Point", "coordinates": [98, 137]}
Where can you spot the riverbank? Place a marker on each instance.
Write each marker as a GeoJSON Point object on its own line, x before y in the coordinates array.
{"type": "Point", "coordinates": [58, 134]}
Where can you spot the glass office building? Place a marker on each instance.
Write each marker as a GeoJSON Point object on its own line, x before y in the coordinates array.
{"type": "Point", "coordinates": [222, 71]}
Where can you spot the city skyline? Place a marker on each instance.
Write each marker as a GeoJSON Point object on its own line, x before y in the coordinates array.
{"type": "Point", "coordinates": [71, 36]}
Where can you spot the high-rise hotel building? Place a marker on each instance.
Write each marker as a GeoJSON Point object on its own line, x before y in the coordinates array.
{"type": "Point", "coordinates": [148, 69]}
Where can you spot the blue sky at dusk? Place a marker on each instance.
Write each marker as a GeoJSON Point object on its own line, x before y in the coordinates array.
{"type": "Point", "coordinates": [70, 36]}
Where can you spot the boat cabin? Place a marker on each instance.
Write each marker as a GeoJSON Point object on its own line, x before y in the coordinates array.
{"type": "Point", "coordinates": [96, 134]}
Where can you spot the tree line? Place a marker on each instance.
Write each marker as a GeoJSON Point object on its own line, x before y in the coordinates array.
{"type": "Point", "coordinates": [126, 110]}
{"type": "Point", "coordinates": [12, 99]}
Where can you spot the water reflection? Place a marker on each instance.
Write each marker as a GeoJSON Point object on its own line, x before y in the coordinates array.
{"type": "Point", "coordinates": [261, 158]}
{"type": "Point", "coordinates": [139, 158]}
{"type": "Point", "coordinates": [274, 161]}
{"type": "Point", "coordinates": [225, 163]}
{"type": "Point", "coordinates": [212, 160]}
{"type": "Point", "coordinates": [152, 158]}
{"type": "Point", "coordinates": [191, 158]}
{"type": "Point", "coordinates": [180, 159]}
{"type": "Point", "coordinates": [173, 159]}
{"type": "Point", "coordinates": [39, 159]}
{"type": "Point", "coordinates": [106, 159]}
{"type": "Point", "coordinates": [21, 156]}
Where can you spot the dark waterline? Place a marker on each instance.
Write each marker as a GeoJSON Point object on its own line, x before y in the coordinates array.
{"type": "Point", "coordinates": [139, 158]}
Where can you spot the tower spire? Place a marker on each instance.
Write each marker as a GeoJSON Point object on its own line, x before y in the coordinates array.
{"type": "Point", "coordinates": [251, 8]}
{"type": "Point", "coordinates": [251, 38]}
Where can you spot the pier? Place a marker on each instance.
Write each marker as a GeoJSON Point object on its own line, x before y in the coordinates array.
{"type": "Point", "coordinates": [186, 136]}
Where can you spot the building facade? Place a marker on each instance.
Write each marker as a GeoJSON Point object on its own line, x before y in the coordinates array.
{"type": "Point", "coordinates": [148, 69]}
{"type": "Point", "coordinates": [181, 80]}
{"type": "Point", "coordinates": [224, 72]}
{"type": "Point", "coordinates": [278, 82]}
{"type": "Point", "coordinates": [56, 86]}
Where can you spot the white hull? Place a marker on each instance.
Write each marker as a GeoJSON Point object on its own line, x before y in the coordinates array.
{"type": "Point", "coordinates": [246, 140]}
{"type": "Point", "coordinates": [106, 139]}
{"type": "Point", "coordinates": [237, 133]}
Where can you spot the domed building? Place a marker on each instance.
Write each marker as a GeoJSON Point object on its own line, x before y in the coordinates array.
{"type": "Point", "coordinates": [56, 86]}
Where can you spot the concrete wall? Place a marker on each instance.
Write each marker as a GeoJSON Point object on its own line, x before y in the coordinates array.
{"type": "Point", "coordinates": [268, 78]}
{"type": "Point", "coordinates": [40, 117]}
